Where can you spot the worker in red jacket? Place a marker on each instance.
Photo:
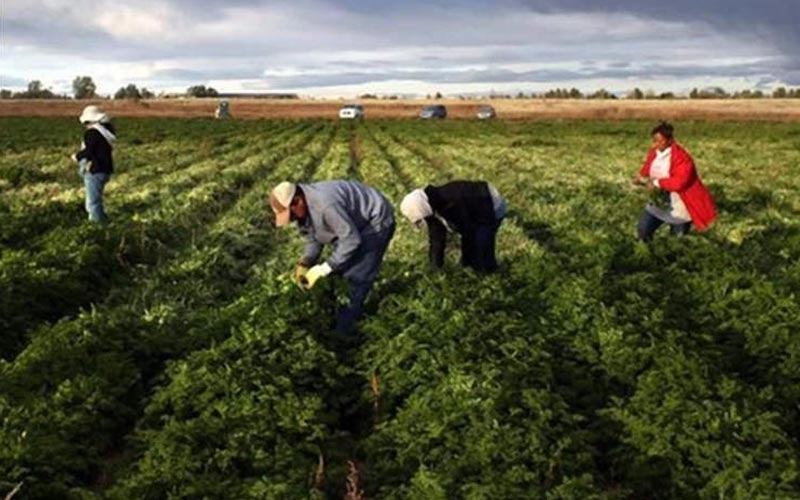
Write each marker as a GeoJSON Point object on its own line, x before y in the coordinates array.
{"type": "Point", "coordinates": [670, 168]}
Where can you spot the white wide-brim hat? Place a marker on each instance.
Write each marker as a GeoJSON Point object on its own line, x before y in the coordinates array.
{"type": "Point", "coordinates": [93, 114]}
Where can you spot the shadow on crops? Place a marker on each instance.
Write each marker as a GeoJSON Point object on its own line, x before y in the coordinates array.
{"type": "Point", "coordinates": [541, 233]}
{"type": "Point", "coordinates": [642, 279]}
{"type": "Point", "coordinates": [20, 175]}
{"type": "Point", "coordinates": [655, 315]}
{"type": "Point", "coordinates": [538, 231]}
{"type": "Point", "coordinates": [752, 202]}
{"type": "Point", "coordinates": [19, 230]}
{"type": "Point", "coordinates": [344, 399]}
{"type": "Point", "coordinates": [768, 251]}
{"type": "Point", "coordinates": [533, 142]}
{"type": "Point", "coordinates": [680, 279]}
{"type": "Point", "coordinates": [727, 303]}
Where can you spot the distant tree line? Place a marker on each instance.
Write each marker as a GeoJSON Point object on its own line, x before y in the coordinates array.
{"type": "Point", "coordinates": [131, 91]}
{"type": "Point", "coordinates": [637, 93]}
{"type": "Point", "coordinates": [201, 91]}
{"type": "Point", "coordinates": [35, 91]}
{"type": "Point", "coordinates": [83, 87]}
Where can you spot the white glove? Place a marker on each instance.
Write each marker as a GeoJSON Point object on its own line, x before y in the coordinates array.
{"type": "Point", "coordinates": [315, 273]}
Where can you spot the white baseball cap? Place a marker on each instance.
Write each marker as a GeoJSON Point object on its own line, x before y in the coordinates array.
{"type": "Point", "coordinates": [280, 199]}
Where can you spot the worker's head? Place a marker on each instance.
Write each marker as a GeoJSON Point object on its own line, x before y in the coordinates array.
{"type": "Point", "coordinates": [93, 114]}
{"type": "Point", "coordinates": [662, 136]}
{"type": "Point", "coordinates": [415, 207]}
{"type": "Point", "coordinates": [288, 202]}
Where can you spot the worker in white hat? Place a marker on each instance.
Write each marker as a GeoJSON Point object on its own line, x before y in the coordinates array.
{"type": "Point", "coordinates": [95, 159]}
{"type": "Point", "coordinates": [474, 209]}
{"type": "Point", "coordinates": [357, 220]}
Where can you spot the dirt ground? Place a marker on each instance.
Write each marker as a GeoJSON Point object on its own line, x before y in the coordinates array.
{"type": "Point", "coordinates": [758, 109]}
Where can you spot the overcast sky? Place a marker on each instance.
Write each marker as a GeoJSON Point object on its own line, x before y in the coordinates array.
{"type": "Point", "coordinates": [344, 47]}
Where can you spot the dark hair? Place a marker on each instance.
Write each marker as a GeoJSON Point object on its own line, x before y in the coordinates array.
{"type": "Point", "coordinates": [664, 128]}
{"type": "Point", "coordinates": [298, 191]}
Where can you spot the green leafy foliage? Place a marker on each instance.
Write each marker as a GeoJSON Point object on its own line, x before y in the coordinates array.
{"type": "Point", "coordinates": [169, 356]}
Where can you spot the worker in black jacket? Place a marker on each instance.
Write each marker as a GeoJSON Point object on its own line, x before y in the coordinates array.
{"type": "Point", "coordinates": [474, 209]}
{"type": "Point", "coordinates": [95, 161]}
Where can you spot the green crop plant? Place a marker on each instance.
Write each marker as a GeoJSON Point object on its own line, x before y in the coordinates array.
{"type": "Point", "coordinates": [169, 355]}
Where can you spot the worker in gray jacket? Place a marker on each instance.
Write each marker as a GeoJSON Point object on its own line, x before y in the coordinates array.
{"type": "Point", "coordinates": [355, 219]}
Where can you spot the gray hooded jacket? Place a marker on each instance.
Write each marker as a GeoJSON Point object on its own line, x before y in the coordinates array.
{"type": "Point", "coordinates": [341, 213]}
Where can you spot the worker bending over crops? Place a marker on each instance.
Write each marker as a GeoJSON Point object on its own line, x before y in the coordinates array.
{"type": "Point", "coordinates": [669, 168]}
{"type": "Point", "coordinates": [355, 219]}
{"type": "Point", "coordinates": [95, 162]}
{"type": "Point", "coordinates": [474, 209]}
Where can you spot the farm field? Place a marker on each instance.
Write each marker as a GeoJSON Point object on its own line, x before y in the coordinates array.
{"type": "Point", "coordinates": [167, 355]}
{"type": "Point", "coordinates": [516, 109]}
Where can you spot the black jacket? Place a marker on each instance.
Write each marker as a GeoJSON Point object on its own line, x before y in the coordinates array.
{"type": "Point", "coordinates": [464, 205]}
{"type": "Point", "coordinates": [97, 150]}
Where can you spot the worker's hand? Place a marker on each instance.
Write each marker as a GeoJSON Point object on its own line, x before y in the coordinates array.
{"type": "Point", "coordinates": [639, 180]}
{"type": "Point", "coordinates": [315, 273]}
{"type": "Point", "coordinates": [300, 274]}
{"type": "Point", "coordinates": [74, 157]}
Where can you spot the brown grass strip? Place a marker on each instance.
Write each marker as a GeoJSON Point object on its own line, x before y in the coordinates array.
{"type": "Point", "coordinates": [515, 109]}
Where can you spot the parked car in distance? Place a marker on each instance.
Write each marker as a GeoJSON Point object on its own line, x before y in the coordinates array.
{"type": "Point", "coordinates": [351, 112]}
{"type": "Point", "coordinates": [486, 113]}
{"type": "Point", "coordinates": [433, 111]}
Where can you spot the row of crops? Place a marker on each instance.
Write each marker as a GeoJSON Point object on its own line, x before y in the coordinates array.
{"type": "Point", "coordinates": [167, 355]}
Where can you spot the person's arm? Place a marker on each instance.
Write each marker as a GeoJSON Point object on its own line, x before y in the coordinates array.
{"type": "Point", "coordinates": [437, 240]}
{"type": "Point", "coordinates": [312, 251]}
{"type": "Point", "coordinates": [680, 174]}
{"type": "Point", "coordinates": [644, 171]}
{"type": "Point", "coordinates": [347, 234]}
{"type": "Point", "coordinates": [91, 139]}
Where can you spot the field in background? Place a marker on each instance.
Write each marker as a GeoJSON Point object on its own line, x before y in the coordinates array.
{"type": "Point", "coordinates": [167, 355]}
{"type": "Point", "coordinates": [755, 109]}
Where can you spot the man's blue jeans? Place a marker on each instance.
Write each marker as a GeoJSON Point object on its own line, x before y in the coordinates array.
{"type": "Point", "coordinates": [361, 275]}
{"type": "Point", "coordinates": [94, 184]}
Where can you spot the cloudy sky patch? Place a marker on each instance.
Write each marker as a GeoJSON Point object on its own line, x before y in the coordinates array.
{"type": "Point", "coordinates": [342, 47]}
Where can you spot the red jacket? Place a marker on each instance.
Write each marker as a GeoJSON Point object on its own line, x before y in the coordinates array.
{"type": "Point", "coordinates": [683, 179]}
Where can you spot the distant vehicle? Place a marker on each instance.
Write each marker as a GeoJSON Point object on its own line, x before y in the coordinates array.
{"type": "Point", "coordinates": [486, 113]}
{"type": "Point", "coordinates": [351, 112]}
{"type": "Point", "coordinates": [433, 111]}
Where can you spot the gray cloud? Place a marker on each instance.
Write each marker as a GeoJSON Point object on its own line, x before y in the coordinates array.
{"type": "Point", "coordinates": [193, 75]}
{"type": "Point", "coordinates": [733, 13]}
{"type": "Point", "coordinates": [323, 43]}
{"type": "Point", "coordinates": [772, 20]}
{"type": "Point", "coordinates": [311, 25]}
{"type": "Point", "coordinates": [649, 71]}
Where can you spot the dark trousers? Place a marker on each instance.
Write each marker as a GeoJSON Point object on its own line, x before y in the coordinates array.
{"type": "Point", "coordinates": [361, 275]}
{"type": "Point", "coordinates": [478, 249]}
{"type": "Point", "coordinates": [649, 223]}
